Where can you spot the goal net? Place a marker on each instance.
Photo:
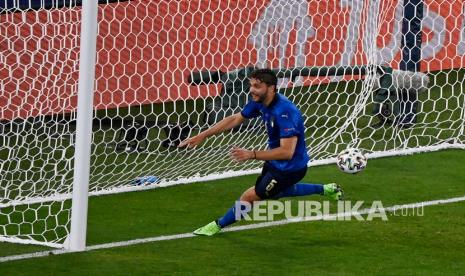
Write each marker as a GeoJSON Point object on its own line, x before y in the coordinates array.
{"type": "Point", "coordinates": [382, 76]}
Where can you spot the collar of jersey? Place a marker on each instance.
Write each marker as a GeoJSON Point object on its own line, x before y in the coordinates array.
{"type": "Point", "coordinates": [274, 101]}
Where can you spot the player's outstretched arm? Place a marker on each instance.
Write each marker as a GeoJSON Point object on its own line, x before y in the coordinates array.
{"type": "Point", "coordinates": [223, 125]}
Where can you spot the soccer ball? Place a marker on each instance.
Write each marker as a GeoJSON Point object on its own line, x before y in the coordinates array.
{"type": "Point", "coordinates": [351, 161]}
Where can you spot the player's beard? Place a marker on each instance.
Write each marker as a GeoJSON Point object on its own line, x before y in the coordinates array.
{"type": "Point", "coordinates": [261, 98]}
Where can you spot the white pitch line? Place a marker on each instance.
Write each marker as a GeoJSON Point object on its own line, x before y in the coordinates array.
{"type": "Point", "coordinates": [234, 229]}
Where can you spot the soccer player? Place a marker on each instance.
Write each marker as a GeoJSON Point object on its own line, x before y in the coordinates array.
{"type": "Point", "coordinates": [286, 157]}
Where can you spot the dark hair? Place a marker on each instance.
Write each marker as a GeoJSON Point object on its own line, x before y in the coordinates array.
{"type": "Point", "coordinates": [266, 76]}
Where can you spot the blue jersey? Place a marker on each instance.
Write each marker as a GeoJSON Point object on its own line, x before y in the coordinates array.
{"type": "Point", "coordinates": [282, 120]}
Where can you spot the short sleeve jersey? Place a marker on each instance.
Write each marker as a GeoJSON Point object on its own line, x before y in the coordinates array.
{"type": "Point", "coordinates": [282, 120]}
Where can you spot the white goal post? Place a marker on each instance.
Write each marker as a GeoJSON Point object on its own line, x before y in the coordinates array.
{"type": "Point", "coordinates": [78, 230]}
{"type": "Point", "coordinates": [95, 96]}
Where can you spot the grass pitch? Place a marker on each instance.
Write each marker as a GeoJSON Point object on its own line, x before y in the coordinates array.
{"type": "Point", "coordinates": [412, 244]}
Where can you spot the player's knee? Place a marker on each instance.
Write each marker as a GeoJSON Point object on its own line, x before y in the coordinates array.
{"type": "Point", "coordinates": [250, 196]}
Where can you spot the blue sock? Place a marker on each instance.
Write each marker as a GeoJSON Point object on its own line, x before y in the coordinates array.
{"type": "Point", "coordinates": [301, 189]}
{"type": "Point", "coordinates": [228, 218]}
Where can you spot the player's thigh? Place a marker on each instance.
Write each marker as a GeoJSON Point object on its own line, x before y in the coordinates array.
{"type": "Point", "coordinates": [270, 184]}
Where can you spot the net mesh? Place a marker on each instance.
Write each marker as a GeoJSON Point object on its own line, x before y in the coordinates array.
{"type": "Point", "coordinates": [169, 69]}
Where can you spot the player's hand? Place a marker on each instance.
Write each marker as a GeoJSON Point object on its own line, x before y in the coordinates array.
{"type": "Point", "coordinates": [241, 155]}
{"type": "Point", "coordinates": [192, 142]}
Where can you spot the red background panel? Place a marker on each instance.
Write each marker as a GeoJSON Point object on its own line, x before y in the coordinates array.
{"type": "Point", "coordinates": [145, 49]}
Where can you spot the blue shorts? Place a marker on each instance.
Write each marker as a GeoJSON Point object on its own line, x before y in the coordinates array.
{"type": "Point", "coordinates": [271, 181]}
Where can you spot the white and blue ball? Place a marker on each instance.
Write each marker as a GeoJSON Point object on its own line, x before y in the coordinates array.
{"type": "Point", "coordinates": [351, 161]}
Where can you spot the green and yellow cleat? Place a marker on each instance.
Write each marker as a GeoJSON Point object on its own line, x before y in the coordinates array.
{"type": "Point", "coordinates": [333, 191]}
{"type": "Point", "coordinates": [208, 230]}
